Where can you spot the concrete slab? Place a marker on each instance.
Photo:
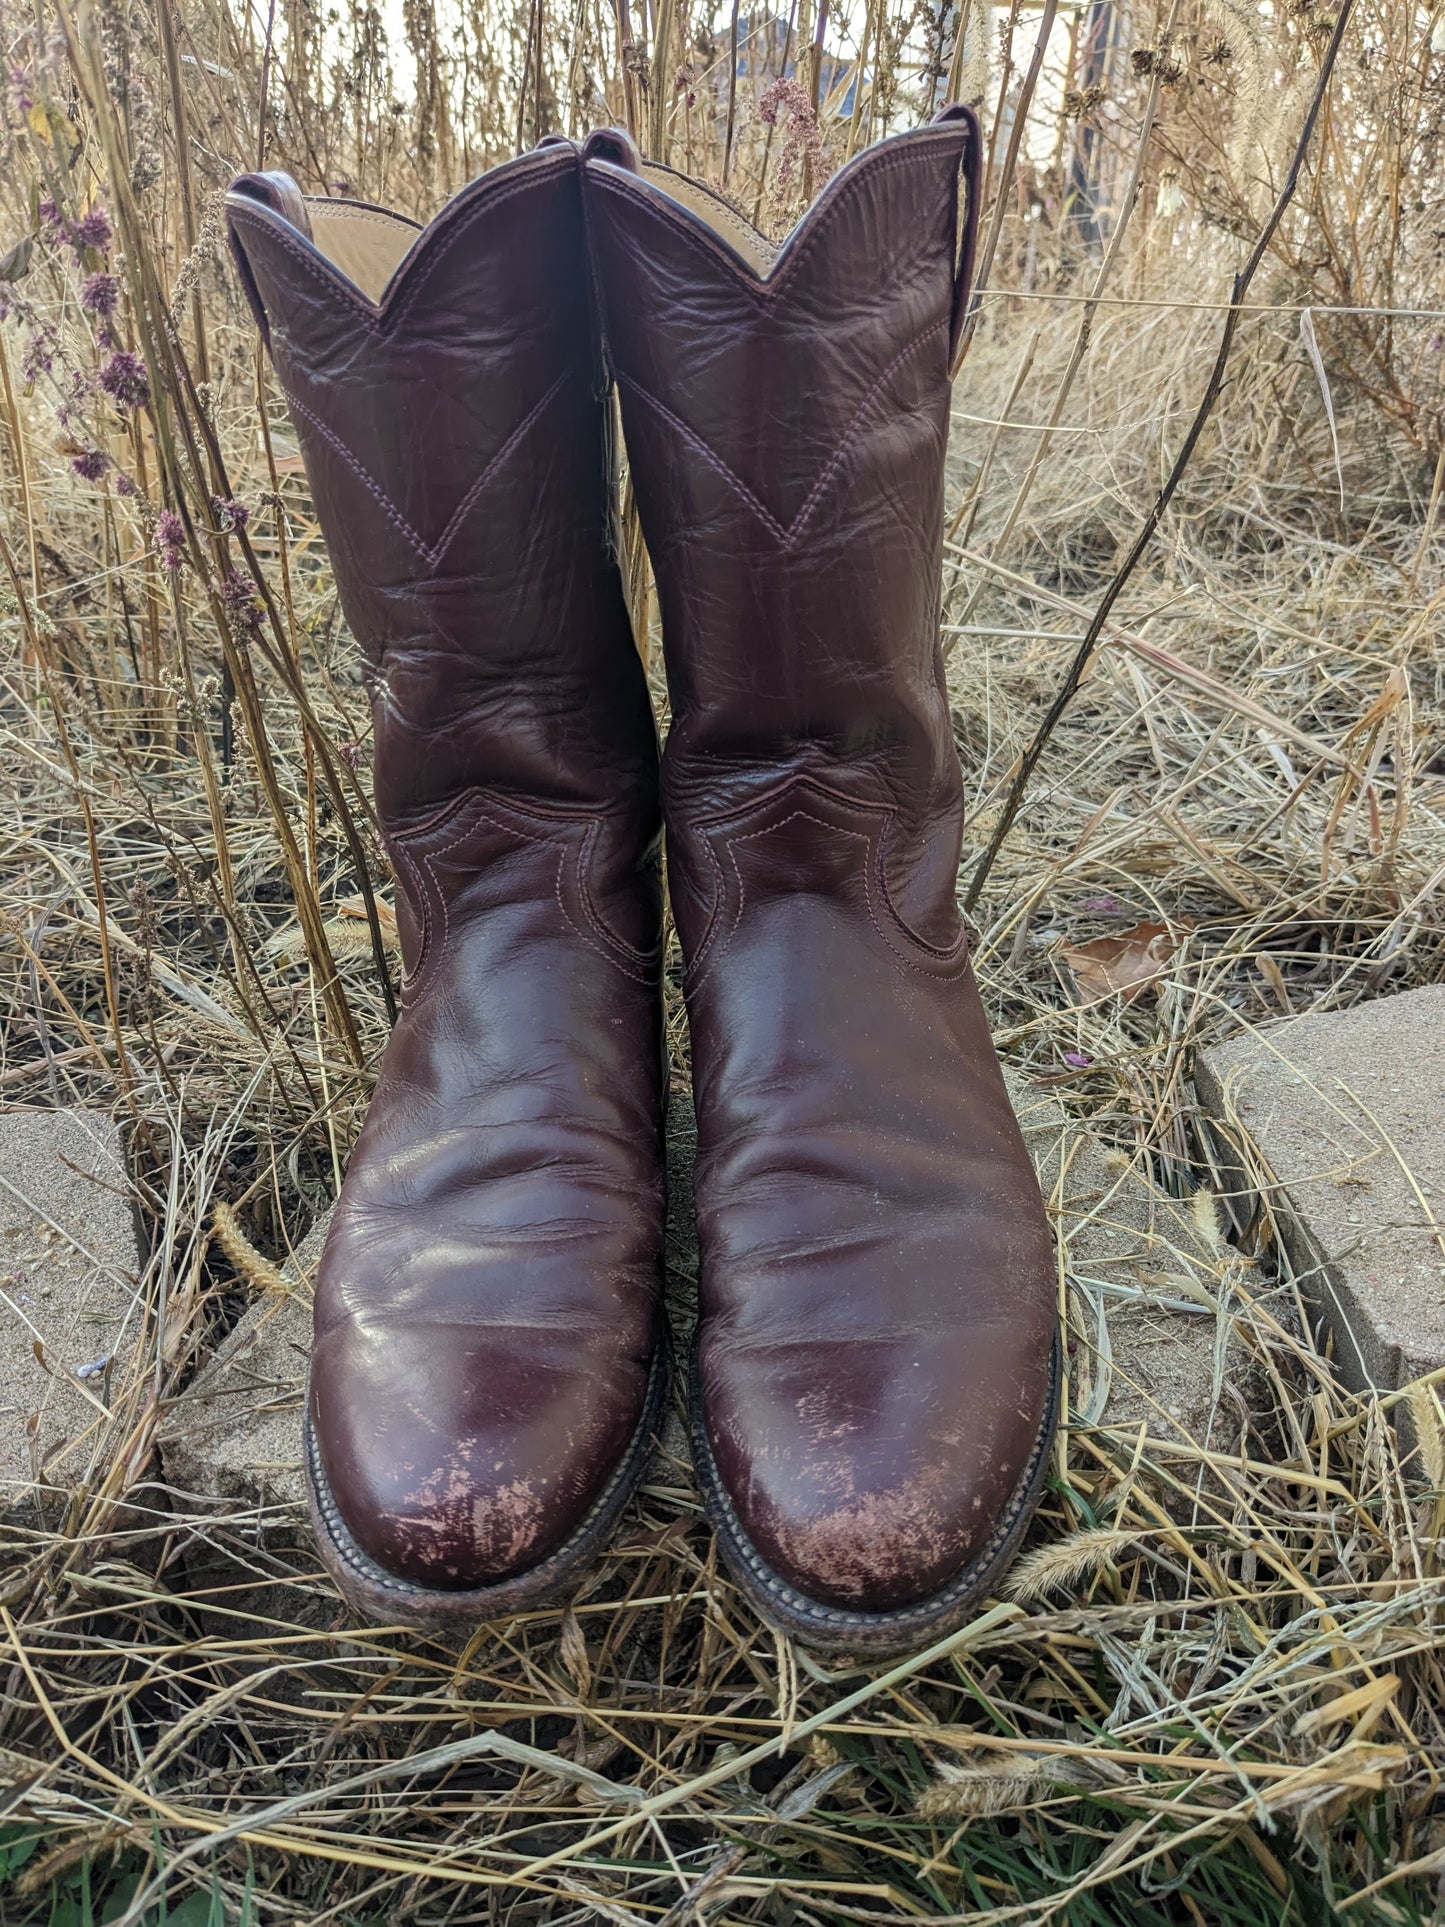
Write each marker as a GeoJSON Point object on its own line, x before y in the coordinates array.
{"type": "Point", "coordinates": [230, 1450]}
{"type": "Point", "coordinates": [1153, 1288]}
{"type": "Point", "coordinates": [70, 1267]}
{"type": "Point", "coordinates": [234, 1437]}
{"type": "Point", "coordinates": [1338, 1121]}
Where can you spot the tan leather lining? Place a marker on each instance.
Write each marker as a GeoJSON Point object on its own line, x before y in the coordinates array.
{"type": "Point", "coordinates": [365, 245]}
{"type": "Point", "coordinates": [368, 246]}
{"type": "Point", "coordinates": [714, 212]}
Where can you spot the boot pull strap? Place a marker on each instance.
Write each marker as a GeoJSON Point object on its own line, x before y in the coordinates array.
{"type": "Point", "coordinates": [613, 144]}
{"type": "Point", "coordinates": [280, 194]}
{"type": "Point", "coordinates": [971, 179]}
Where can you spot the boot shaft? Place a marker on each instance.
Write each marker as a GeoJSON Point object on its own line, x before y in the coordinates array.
{"type": "Point", "coordinates": [874, 1385]}
{"type": "Point", "coordinates": [786, 416]}
{"type": "Point", "coordinates": [444, 386]}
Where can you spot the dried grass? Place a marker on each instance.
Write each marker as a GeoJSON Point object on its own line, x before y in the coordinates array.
{"type": "Point", "coordinates": [1214, 1691]}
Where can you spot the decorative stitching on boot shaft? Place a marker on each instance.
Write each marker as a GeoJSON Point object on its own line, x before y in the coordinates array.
{"type": "Point", "coordinates": [430, 553]}
{"type": "Point", "coordinates": [558, 830]}
{"type": "Point", "coordinates": [788, 534]}
{"type": "Point", "coordinates": [912, 950]}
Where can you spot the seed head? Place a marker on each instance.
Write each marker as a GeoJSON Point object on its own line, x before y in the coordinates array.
{"type": "Point", "coordinates": [124, 379]}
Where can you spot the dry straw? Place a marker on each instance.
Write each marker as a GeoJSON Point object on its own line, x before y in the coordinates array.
{"type": "Point", "coordinates": [1214, 1693]}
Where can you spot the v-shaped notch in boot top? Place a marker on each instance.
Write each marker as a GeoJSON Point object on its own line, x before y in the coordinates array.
{"type": "Point", "coordinates": [950, 143]}
{"type": "Point", "coordinates": [764, 372]}
{"type": "Point", "coordinates": [371, 254]}
{"type": "Point", "coordinates": [418, 361]}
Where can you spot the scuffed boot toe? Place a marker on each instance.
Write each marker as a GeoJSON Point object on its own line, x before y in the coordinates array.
{"type": "Point", "coordinates": [473, 1498]}
{"type": "Point", "coordinates": [863, 1525]}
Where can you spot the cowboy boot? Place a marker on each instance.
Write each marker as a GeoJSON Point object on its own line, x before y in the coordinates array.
{"type": "Point", "coordinates": [486, 1362]}
{"type": "Point", "coordinates": [876, 1371]}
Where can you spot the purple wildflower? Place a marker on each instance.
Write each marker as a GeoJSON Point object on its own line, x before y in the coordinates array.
{"type": "Point", "coordinates": [124, 379]}
{"type": "Point", "coordinates": [92, 231]}
{"type": "Point", "coordinates": [171, 540]}
{"type": "Point", "coordinates": [125, 484]}
{"type": "Point", "coordinates": [786, 105]}
{"type": "Point", "coordinates": [229, 515]}
{"type": "Point", "coordinates": [100, 295]}
{"type": "Point", "coordinates": [242, 599]}
{"type": "Point", "coordinates": [1078, 1060]}
{"type": "Point", "coordinates": [782, 93]}
{"type": "Point", "coordinates": [50, 213]}
{"type": "Point", "coordinates": [20, 92]}
{"type": "Point", "coordinates": [90, 464]}
{"type": "Point", "coordinates": [39, 356]}
{"type": "Point", "coordinates": [1101, 906]}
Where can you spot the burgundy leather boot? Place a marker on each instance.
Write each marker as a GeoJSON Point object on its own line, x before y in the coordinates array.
{"type": "Point", "coordinates": [486, 1363]}
{"type": "Point", "coordinates": [877, 1365]}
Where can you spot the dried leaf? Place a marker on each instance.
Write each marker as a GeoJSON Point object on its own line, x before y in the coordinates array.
{"type": "Point", "coordinates": [1370, 1697]}
{"type": "Point", "coordinates": [15, 262]}
{"type": "Point", "coordinates": [1122, 966]}
{"type": "Point", "coordinates": [656, 1538]}
{"type": "Point", "coordinates": [51, 127]}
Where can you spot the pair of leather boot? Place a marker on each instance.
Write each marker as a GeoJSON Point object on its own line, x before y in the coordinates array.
{"type": "Point", "coordinates": [876, 1372]}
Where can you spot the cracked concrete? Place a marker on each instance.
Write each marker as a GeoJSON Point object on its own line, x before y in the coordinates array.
{"type": "Point", "coordinates": [1336, 1122]}
{"type": "Point", "coordinates": [1151, 1278]}
{"type": "Point", "coordinates": [235, 1435]}
{"type": "Point", "coordinates": [70, 1268]}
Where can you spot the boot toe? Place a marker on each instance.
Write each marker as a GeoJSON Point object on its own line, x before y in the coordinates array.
{"type": "Point", "coordinates": [866, 1485]}
{"type": "Point", "coordinates": [471, 1472]}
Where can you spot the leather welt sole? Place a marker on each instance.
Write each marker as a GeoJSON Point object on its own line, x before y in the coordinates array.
{"type": "Point", "coordinates": [834, 1629]}
{"type": "Point", "coordinates": [381, 1596]}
